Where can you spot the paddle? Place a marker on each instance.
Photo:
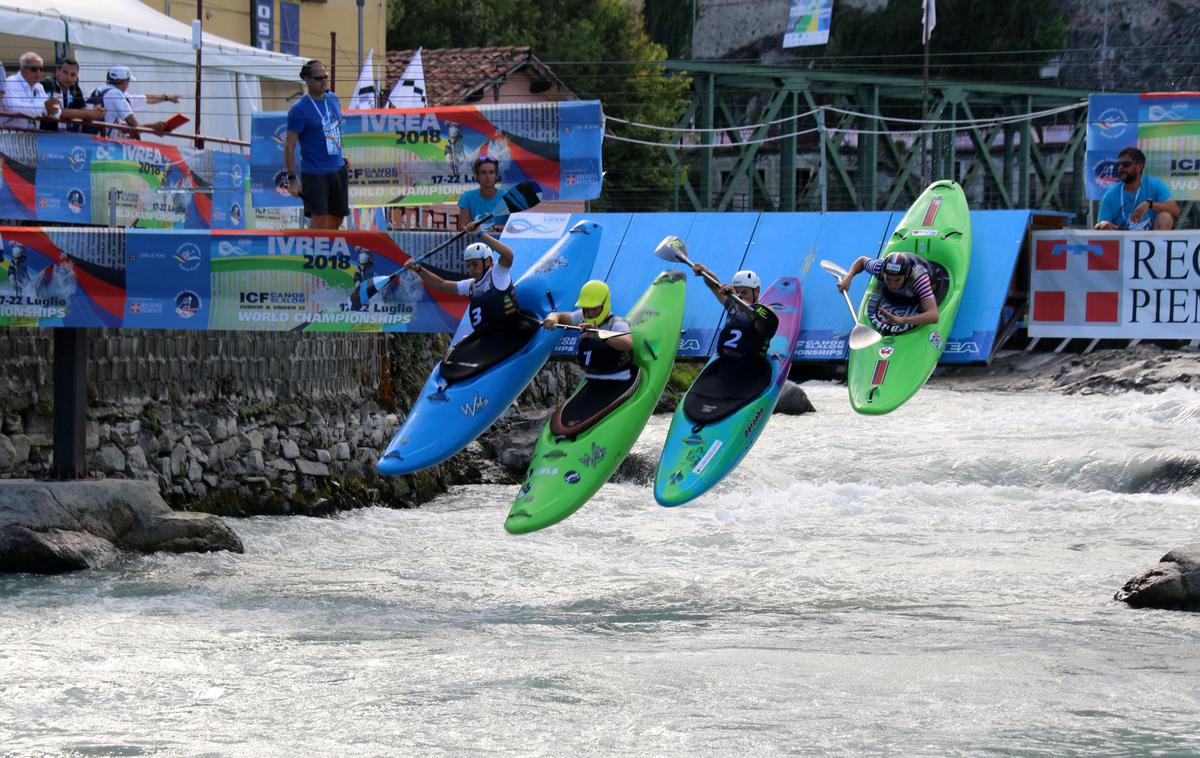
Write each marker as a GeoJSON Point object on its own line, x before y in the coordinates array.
{"type": "Point", "coordinates": [861, 335]}
{"type": "Point", "coordinates": [519, 197]}
{"type": "Point", "coordinates": [603, 334]}
{"type": "Point", "coordinates": [673, 249]}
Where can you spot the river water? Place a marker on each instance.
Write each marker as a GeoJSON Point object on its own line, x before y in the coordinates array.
{"type": "Point", "coordinates": [934, 582]}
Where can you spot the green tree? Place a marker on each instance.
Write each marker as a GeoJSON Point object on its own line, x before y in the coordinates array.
{"type": "Point", "coordinates": [599, 48]}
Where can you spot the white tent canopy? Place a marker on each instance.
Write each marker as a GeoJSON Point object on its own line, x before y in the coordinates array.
{"type": "Point", "coordinates": [164, 61]}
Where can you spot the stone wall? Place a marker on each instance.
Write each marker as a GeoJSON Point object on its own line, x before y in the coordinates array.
{"type": "Point", "coordinates": [238, 423]}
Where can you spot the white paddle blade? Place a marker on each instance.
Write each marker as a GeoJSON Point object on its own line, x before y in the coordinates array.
{"type": "Point", "coordinates": [672, 249]}
{"type": "Point", "coordinates": [863, 336]}
{"type": "Point", "coordinates": [605, 334]}
{"type": "Point", "coordinates": [833, 268]}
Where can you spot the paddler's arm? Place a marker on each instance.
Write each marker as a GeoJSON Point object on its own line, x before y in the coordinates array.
{"type": "Point", "coordinates": [765, 320]}
{"type": "Point", "coordinates": [713, 284]}
{"type": "Point", "coordinates": [504, 251]}
{"type": "Point", "coordinates": [855, 269]}
{"type": "Point", "coordinates": [432, 280]}
{"type": "Point", "coordinates": [928, 314]}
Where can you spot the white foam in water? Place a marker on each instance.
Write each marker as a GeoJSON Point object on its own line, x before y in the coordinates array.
{"type": "Point", "coordinates": [934, 581]}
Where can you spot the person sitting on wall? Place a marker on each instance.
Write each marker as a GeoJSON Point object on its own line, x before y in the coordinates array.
{"type": "Point", "coordinates": [905, 297]}
{"type": "Point", "coordinates": [477, 203]}
{"type": "Point", "coordinates": [1137, 203]}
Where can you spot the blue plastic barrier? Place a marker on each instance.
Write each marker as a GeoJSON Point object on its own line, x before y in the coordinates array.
{"type": "Point", "coordinates": [778, 244]}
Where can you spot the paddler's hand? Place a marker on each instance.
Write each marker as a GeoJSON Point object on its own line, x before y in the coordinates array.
{"type": "Point", "coordinates": [699, 269]}
{"type": "Point", "coordinates": [588, 326]}
{"type": "Point", "coordinates": [892, 317]}
{"type": "Point", "coordinates": [844, 283]}
{"type": "Point", "coordinates": [550, 322]}
{"type": "Point", "coordinates": [413, 266]}
{"type": "Point", "coordinates": [727, 290]}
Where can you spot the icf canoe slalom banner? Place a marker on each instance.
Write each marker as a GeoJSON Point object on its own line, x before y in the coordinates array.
{"type": "Point", "coordinates": [1163, 125]}
{"type": "Point", "coordinates": [225, 280]}
{"type": "Point", "coordinates": [425, 156]}
{"type": "Point", "coordinates": [54, 177]}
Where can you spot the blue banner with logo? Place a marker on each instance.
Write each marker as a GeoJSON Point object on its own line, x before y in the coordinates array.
{"type": "Point", "coordinates": [59, 177]}
{"type": "Point", "coordinates": [1163, 125]}
{"type": "Point", "coordinates": [425, 156]}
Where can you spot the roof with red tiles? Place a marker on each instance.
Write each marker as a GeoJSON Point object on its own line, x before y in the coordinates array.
{"type": "Point", "coordinates": [463, 74]}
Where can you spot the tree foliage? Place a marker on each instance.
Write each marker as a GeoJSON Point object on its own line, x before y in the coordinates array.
{"type": "Point", "coordinates": [599, 48]}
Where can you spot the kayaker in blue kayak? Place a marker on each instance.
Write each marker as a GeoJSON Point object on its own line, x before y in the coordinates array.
{"type": "Point", "coordinates": [493, 305]}
{"type": "Point", "coordinates": [907, 297]}
{"type": "Point", "coordinates": [607, 363]}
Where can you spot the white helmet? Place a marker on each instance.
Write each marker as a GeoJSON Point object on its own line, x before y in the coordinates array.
{"type": "Point", "coordinates": [745, 278]}
{"type": "Point", "coordinates": [477, 251]}
{"type": "Point", "coordinates": [364, 258]}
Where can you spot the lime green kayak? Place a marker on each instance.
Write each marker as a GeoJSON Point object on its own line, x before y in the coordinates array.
{"type": "Point", "coordinates": [937, 227]}
{"type": "Point", "coordinates": [565, 472]}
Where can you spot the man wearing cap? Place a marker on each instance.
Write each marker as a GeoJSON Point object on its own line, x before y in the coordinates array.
{"type": "Point", "coordinates": [65, 86]}
{"type": "Point", "coordinates": [119, 104]}
{"type": "Point", "coordinates": [314, 123]}
{"type": "Point", "coordinates": [23, 94]}
{"type": "Point", "coordinates": [906, 296]}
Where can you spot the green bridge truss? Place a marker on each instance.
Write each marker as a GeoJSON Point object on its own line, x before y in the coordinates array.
{"type": "Point", "coordinates": [847, 161]}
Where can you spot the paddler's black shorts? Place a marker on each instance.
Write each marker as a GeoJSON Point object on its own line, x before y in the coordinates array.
{"type": "Point", "coordinates": [326, 194]}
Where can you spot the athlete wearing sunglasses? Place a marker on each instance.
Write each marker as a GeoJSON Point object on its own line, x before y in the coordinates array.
{"type": "Point", "coordinates": [1137, 203]}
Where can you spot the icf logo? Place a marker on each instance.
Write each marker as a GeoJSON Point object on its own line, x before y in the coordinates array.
{"type": "Point", "coordinates": [279, 137]}
{"type": "Point", "coordinates": [187, 304]}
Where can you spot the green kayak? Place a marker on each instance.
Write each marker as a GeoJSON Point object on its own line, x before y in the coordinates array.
{"type": "Point", "coordinates": [937, 227]}
{"type": "Point", "coordinates": [566, 470]}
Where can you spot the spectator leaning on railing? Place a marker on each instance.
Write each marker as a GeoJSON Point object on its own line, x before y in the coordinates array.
{"type": "Point", "coordinates": [65, 86]}
{"type": "Point", "coordinates": [119, 104]}
{"type": "Point", "coordinates": [23, 94]}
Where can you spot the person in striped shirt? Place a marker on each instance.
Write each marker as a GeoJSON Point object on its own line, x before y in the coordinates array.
{"type": "Point", "coordinates": [906, 298]}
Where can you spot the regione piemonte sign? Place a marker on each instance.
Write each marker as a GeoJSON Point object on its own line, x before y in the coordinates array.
{"type": "Point", "coordinates": [1119, 285]}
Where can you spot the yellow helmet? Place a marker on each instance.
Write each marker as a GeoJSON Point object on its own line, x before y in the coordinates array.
{"type": "Point", "coordinates": [595, 294]}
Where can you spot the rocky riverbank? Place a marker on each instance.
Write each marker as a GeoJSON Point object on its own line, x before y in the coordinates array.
{"type": "Point", "coordinates": [51, 527]}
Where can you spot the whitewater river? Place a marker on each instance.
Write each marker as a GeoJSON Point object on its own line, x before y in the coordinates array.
{"type": "Point", "coordinates": [935, 582]}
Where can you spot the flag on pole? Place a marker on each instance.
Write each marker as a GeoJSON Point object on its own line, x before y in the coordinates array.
{"type": "Point", "coordinates": [364, 93]}
{"type": "Point", "coordinates": [928, 19]}
{"type": "Point", "coordinates": [409, 91]}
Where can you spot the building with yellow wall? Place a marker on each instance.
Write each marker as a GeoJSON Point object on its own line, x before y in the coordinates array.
{"type": "Point", "coordinates": [232, 19]}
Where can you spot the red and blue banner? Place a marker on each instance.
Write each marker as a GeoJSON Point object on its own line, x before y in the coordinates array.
{"type": "Point", "coordinates": [1163, 125]}
{"type": "Point", "coordinates": [425, 156]}
{"type": "Point", "coordinates": [225, 280]}
{"type": "Point", "coordinates": [59, 177]}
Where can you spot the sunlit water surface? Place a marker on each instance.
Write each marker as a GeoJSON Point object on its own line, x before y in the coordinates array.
{"type": "Point", "coordinates": [938, 581]}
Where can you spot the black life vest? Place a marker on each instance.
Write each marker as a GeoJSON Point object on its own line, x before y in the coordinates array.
{"type": "Point", "coordinates": [490, 307]}
{"type": "Point", "coordinates": [741, 338]}
{"type": "Point", "coordinates": [598, 358]}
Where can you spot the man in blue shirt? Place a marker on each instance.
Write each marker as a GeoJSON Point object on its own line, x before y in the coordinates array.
{"type": "Point", "coordinates": [477, 203]}
{"type": "Point", "coordinates": [314, 122]}
{"type": "Point", "coordinates": [1138, 203]}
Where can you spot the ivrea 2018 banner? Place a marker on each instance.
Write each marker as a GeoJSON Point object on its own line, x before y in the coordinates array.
{"type": "Point", "coordinates": [425, 156]}
{"type": "Point", "coordinates": [229, 280]}
{"type": "Point", "coordinates": [55, 177]}
{"type": "Point", "coordinates": [1163, 125]}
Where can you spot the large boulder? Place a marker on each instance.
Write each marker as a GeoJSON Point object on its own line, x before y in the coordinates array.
{"type": "Point", "coordinates": [1172, 584]}
{"type": "Point", "coordinates": [50, 527]}
{"type": "Point", "coordinates": [793, 401]}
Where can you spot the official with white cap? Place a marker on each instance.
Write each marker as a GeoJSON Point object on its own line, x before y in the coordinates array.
{"type": "Point", "coordinates": [119, 104]}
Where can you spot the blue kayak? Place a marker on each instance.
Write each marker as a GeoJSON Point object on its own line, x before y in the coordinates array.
{"type": "Point", "coordinates": [717, 422]}
{"type": "Point", "coordinates": [479, 379]}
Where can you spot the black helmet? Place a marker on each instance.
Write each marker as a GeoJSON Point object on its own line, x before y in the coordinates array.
{"type": "Point", "coordinates": [897, 264]}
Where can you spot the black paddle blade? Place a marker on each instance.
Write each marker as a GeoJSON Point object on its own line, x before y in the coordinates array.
{"type": "Point", "coordinates": [523, 196]}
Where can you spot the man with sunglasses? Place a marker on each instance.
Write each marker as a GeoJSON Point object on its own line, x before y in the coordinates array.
{"type": "Point", "coordinates": [23, 94]}
{"type": "Point", "coordinates": [1137, 203]}
{"type": "Point", "coordinates": [314, 122]}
